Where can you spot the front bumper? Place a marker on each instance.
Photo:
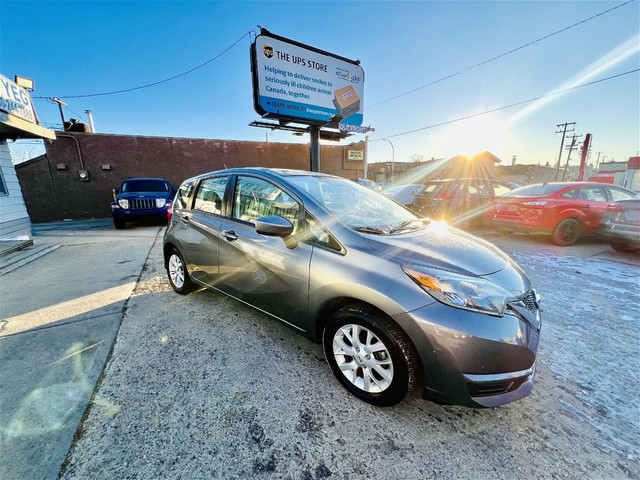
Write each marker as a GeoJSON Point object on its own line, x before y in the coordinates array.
{"type": "Point", "coordinates": [474, 359]}
{"type": "Point", "coordinates": [138, 214]}
{"type": "Point", "coordinates": [619, 232]}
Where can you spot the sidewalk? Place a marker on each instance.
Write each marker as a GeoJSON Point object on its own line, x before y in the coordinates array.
{"type": "Point", "coordinates": [59, 316]}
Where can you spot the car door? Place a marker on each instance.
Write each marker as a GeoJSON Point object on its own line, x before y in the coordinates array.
{"type": "Point", "coordinates": [594, 203]}
{"type": "Point", "coordinates": [200, 244]}
{"type": "Point", "coordinates": [262, 270]}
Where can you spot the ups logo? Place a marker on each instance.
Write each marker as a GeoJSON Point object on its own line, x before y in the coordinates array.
{"type": "Point", "coordinates": [268, 51]}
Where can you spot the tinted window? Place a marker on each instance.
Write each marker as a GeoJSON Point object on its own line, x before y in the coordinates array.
{"type": "Point", "coordinates": [620, 194]}
{"type": "Point", "coordinates": [210, 195]}
{"type": "Point", "coordinates": [570, 193]}
{"type": "Point", "coordinates": [145, 186]}
{"type": "Point", "coordinates": [182, 197]}
{"type": "Point", "coordinates": [256, 198]}
{"type": "Point", "coordinates": [592, 194]}
{"type": "Point", "coordinates": [479, 187]}
{"type": "Point", "coordinates": [3, 187]}
{"type": "Point", "coordinates": [536, 190]}
{"type": "Point", "coordinates": [500, 189]}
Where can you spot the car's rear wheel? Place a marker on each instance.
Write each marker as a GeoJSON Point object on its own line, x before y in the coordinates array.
{"type": "Point", "coordinates": [178, 274]}
{"type": "Point", "coordinates": [370, 356]}
{"type": "Point", "coordinates": [119, 223]}
{"type": "Point", "coordinates": [566, 232]}
{"type": "Point", "coordinates": [624, 247]}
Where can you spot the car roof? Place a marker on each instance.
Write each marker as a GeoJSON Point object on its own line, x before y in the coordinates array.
{"type": "Point", "coordinates": [147, 178]}
{"type": "Point", "coordinates": [269, 172]}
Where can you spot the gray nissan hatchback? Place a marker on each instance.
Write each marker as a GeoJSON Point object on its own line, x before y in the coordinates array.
{"type": "Point", "coordinates": [396, 300]}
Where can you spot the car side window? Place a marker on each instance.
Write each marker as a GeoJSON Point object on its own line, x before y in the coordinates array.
{"type": "Point", "coordinates": [210, 195]}
{"type": "Point", "coordinates": [592, 194]}
{"type": "Point", "coordinates": [500, 189]}
{"type": "Point", "coordinates": [256, 198]}
{"type": "Point", "coordinates": [573, 193]}
{"type": "Point", "coordinates": [182, 197]}
{"type": "Point", "coordinates": [619, 194]}
{"type": "Point", "coordinates": [318, 234]}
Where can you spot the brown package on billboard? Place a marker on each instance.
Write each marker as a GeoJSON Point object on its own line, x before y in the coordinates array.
{"type": "Point", "coordinates": [346, 101]}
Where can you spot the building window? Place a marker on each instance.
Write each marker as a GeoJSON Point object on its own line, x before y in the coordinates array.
{"type": "Point", "coordinates": [3, 186]}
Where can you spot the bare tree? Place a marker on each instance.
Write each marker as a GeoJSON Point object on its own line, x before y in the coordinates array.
{"type": "Point", "coordinates": [416, 157]}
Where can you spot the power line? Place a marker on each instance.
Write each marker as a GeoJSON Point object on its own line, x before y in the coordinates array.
{"type": "Point", "coordinates": [511, 105]}
{"type": "Point", "coordinates": [501, 55]}
{"type": "Point", "coordinates": [115, 92]}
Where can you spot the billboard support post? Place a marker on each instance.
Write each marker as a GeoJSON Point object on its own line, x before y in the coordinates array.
{"type": "Point", "coordinates": [314, 148]}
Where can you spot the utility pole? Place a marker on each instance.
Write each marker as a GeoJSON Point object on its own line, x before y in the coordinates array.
{"type": "Point", "coordinates": [598, 161]}
{"type": "Point", "coordinates": [60, 105]}
{"type": "Point", "coordinates": [90, 117]}
{"type": "Point", "coordinates": [393, 160]}
{"type": "Point", "coordinates": [573, 144]}
{"type": "Point", "coordinates": [564, 132]}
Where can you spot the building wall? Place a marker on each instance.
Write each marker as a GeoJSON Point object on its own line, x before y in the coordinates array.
{"type": "Point", "coordinates": [14, 219]}
{"type": "Point", "coordinates": [53, 189]}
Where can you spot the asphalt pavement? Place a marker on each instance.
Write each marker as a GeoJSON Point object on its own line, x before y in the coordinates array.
{"type": "Point", "coordinates": [59, 316]}
{"type": "Point", "coordinates": [202, 386]}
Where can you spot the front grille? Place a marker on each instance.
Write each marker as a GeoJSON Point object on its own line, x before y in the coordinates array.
{"type": "Point", "coordinates": [140, 203]}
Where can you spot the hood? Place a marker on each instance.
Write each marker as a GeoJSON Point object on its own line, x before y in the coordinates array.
{"type": "Point", "coordinates": [440, 246]}
{"type": "Point", "coordinates": [167, 195]}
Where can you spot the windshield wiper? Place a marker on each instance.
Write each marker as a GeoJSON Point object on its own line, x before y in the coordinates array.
{"type": "Point", "coordinates": [375, 230]}
{"type": "Point", "coordinates": [403, 225]}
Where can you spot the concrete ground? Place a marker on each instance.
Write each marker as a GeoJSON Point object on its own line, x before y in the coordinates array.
{"type": "Point", "coordinates": [201, 386]}
{"type": "Point", "coordinates": [59, 316]}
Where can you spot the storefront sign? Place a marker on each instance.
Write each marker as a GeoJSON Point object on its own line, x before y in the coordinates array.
{"type": "Point", "coordinates": [16, 100]}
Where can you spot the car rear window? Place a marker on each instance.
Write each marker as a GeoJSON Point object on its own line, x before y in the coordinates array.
{"type": "Point", "coordinates": [539, 190]}
{"type": "Point", "coordinates": [145, 186]}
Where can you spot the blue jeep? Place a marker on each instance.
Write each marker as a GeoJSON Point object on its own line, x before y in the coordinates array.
{"type": "Point", "coordinates": [141, 199]}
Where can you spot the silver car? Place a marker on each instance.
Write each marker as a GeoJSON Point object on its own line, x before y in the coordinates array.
{"type": "Point", "coordinates": [397, 301]}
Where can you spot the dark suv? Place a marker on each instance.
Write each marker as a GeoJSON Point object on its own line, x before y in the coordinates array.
{"type": "Point", "coordinates": [141, 199]}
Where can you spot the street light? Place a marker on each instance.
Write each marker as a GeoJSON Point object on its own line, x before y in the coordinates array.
{"type": "Point", "coordinates": [393, 159]}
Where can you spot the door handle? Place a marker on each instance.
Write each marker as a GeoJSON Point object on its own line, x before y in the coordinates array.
{"type": "Point", "coordinates": [229, 235]}
{"type": "Point", "coordinates": [185, 219]}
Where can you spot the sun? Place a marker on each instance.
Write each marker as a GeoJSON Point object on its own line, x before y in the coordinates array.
{"type": "Point", "coordinates": [474, 136]}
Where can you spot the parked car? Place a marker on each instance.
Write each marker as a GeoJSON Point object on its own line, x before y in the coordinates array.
{"type": "Point", "coordinates": [368, 183]}
{"type": "Point", "coordinates": [396, 300]}
{"type": "Point", "coordinates": [459, 201]}
{"type": "Point", "coordinates": [141, 199]}
{"type": "Point", "coordinates": [622, 228]}
{"type": "Point", "coordinates": [404, 194]}
{"type": "Point", "coordinates": [564, 211]}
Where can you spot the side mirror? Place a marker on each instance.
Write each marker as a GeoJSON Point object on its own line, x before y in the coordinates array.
{"type": "Point", "coordinates": [276, 226]}
{"type": "Point", "coordinates": [115, 192]}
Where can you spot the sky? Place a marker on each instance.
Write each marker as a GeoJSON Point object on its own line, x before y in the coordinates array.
{"type": "Point", "coordinates": [78, 48]}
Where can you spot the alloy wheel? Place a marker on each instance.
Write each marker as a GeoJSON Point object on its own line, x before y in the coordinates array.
{"type": "Point", "coordinates": [363, 358]}
{"type": "Point", "coordinates": [176, 270]}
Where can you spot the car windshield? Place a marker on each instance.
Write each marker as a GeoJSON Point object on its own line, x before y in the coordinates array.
{"type": "Point", "coordinates": [145, 186]}
{"type": "Point", "coordinates": [539, 190]}
{"type": "Point", "coordinates": [357, 206]}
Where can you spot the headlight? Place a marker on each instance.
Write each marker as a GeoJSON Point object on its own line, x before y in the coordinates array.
{"type": "Point", "coordinates": [460, 291]}
{"type": "Point", "coordinates": [124, 203]}
{"type": "Point", "coordinates": [160, 202]}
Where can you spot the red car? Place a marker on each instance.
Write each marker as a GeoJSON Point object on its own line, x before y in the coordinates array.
{"type": "Point", "coordinates": [562, 210]}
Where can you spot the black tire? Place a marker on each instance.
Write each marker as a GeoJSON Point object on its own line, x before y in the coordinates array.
{"type": "Point", "coordinates": [403, 369]}
{"type": "Point", "coordinates": [119, 223]}
{"type": "Point", "coordinates": [176, 263]}
{"type": "Point", "coordinates": [624, 247]}
{"type": "Point", "coordinates": [566, 233]}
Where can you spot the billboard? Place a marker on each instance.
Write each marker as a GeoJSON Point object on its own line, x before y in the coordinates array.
{"type": "Point", "coordinates": [295, 82]}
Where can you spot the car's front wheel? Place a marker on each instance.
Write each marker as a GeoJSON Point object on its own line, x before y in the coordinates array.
{"type": "Point", "coordinates": [370, 356]}
{"type": "Point", "coordinates": [119, 223]}
{"type": "Point", "coordinates": [178, 274]}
